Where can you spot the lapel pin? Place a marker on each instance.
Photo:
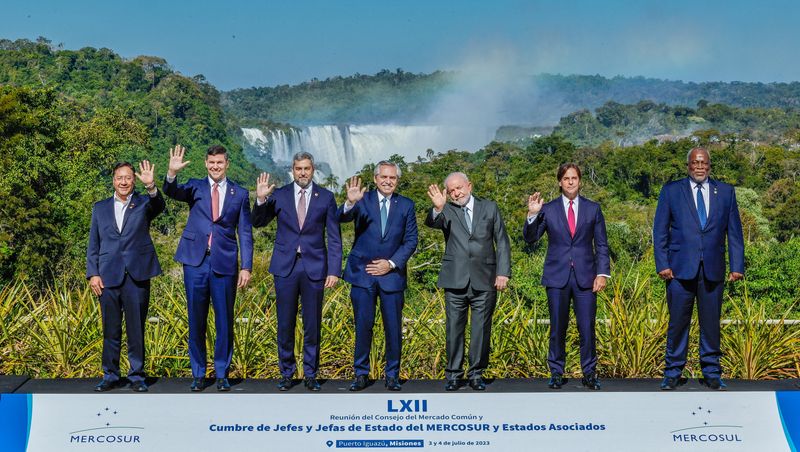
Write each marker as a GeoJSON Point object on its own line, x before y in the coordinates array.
{"type": "Point", "coordinates": [715, 190]}
{"type": "Point", "coordinates": [316, 194]}
{"type": "Point", "coordinates": [231, 190]}
{"type": "Point", "coordinates": [131, 206]}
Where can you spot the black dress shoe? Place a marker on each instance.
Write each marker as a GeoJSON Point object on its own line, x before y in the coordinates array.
{"type": "Point", "coordinates": [312, 384]}
{"type": "Point", "coordinates": [359, 383]}
{"type": "Point", "coordinates": [451, 385]}
{"type": "Point", "coordinates": [556, 381]}
{"type": "Point", "coordinates": [715, 383]}
{"type": "Point", "coordinates": [223, 385]}
{"type": "Point", "coordinates": [477, 384]}
{"type": "Point", "coordinates": [285, 384]}
{"type": "Point", "coordinates": [106, 385]}
{"type": "Point", "coordinates": [591, 382]}
{"type": "Point", "coordinates": [392, 384]}
{"type": "Point", "coordinates": [197, 384]}
{"type": "Point", "coordinates": [669, 383]}
{"type": "Point", "coordinates": [139, 386]}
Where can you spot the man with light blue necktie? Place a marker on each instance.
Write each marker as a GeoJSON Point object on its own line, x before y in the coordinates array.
{"type": "Point", "coordinates": [385, 238]}
{"type": "Point", "coordinates": [693, 218]}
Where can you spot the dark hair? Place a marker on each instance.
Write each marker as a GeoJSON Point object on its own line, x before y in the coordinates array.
{"type": "Point", "coordinates": [119, 165]}
{"type": "Point", "coordinates": [216, 150]}
{"type": "Point", "coordinates": [566, 166]}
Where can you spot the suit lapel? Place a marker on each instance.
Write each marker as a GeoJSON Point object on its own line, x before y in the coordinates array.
{"type": "Point", "coordinates": [712, 200]}
{"type": "Point", "coordinates": [459, 213]}
{"type": "Point", "coordinates": [373, 208]}
{"type": "Point", "coordinates": [129, 211]}
{"type": "Point", "coordinates": [477, 210]}
{"type": "Point", "coordinates": [392, 212]}
{"type": "Point", "coordinates": [562, 216]}
{"type": "Point", "coordinates": [291, 206]}
{"type": "Point", "coordinates": [110, 206]}
{"type": "Point", "coordinates": [687, 194]}
{"type": "Point", "coordinates": [231, 191]}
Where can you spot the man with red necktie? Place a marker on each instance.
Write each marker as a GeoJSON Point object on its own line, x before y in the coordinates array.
{"type": "Point", "coordinates": [575, 269]}
{"type": "Point", "coordinates": [219, 211]}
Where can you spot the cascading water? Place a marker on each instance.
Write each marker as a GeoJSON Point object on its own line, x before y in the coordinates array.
{"type": "Point", "coordinates": [347, 148]}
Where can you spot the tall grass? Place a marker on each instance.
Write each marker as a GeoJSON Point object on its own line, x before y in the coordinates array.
{"type": "Point", "coordinates": [57, 333]}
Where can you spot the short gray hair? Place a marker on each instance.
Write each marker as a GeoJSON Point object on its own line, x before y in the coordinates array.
{"type": "Point", "coordinates": [455, 174]}
{"type": "Point", "coordinates": [689, 154]}
{"type": "Point", "coordinates": [387, 163]}
{"type": "Point", "coordinates": [302, 155]}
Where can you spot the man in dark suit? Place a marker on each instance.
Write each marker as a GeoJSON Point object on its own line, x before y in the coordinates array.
{"type": "Point", "coordinates": [575, 269]}
{"type": "Point", "coordinates": [693, 218]}
{"type": "Point", "coordinates": [385, 238]}
{"type": "Point", "coordinates": [303, 262]}
{"type": "Point", "coordinates": [219, 210]}
{"type": "Point", "coordinates": [120, 260]}
{"type": "Point", "coordinates": [476, 264]}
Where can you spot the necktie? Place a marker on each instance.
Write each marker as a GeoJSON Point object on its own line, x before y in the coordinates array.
{"type": "Point", "coordinates": [214, 207]}
{"type": "Point", "coordinates": [468, 219]}
{"type": "Point", "coordinates": [384, 216]}
{"type": "Point", "coordinates": [701, 207]}
{"type": "Point", "coordinates": [571, 220]}
{"type": "Point", "coordinates": [301, 208]}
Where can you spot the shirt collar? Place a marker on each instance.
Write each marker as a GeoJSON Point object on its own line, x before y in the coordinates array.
{"type": "Point", "coordinates": [222, 184]}
{"type": "Point", "coordinates": [381, 197]}
{"type": "Point", "coordinates": [126, 202]}
{"type": "Point", "coordinates": [693, 183]}
{"type": "Point", "coordinates": [297, 188]}
{"type": "Point", "coordinates": [565, 202]}
{"type": "Point", "coordinates": [470, 204]}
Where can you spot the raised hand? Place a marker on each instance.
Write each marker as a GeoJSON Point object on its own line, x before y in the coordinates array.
{"type": "Point", "coordinates": [176, 162]}
{"type": "Point", "coordinates": [437, 196]}
{"type": "Point", "coordinates": [146, 173]}
{"type": "Point", "coordinates": [535, 203]}
{"type": "Point", "coordinates": [354, 190]}
{"type": "Point", "coordinates": [263, 187]}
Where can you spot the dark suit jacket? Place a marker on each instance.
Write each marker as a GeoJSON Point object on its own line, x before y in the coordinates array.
{"type": "Point", "coordinates": [111, 253]}
{"type": "Point", "coordinates": [320, 260]}
{"type": "Point", "coordinates": [680, 244]}
{"type": "Point", "coordinates": [234, 218]}
{"type": "Point", "coordinates": [587, 251]}
{"type": "Point", "coordinates": [472, 259]}
{"type": "Point", "coordinates": [397, 245]}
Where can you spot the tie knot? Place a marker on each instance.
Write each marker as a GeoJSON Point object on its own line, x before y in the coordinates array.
{"type": "Point", "coordinates": [383, 201]}
{"type": "Point", "coordinates": [302, 192]}
{"type": "Point", "coordinates": [699, 186]}
{"type": "Point", "coordinates": [216, 185]}
{"type": "Point", "coordinates": [570, 203]}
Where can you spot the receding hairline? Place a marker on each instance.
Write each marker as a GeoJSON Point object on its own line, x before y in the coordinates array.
{"type": "Point", "coordinates": [693, 150]}
{"type": "Point", "coordinates": [455, 174]}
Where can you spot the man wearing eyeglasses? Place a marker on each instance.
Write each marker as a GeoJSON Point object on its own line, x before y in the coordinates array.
{"type": "Point", "coordinates": [694, 217]}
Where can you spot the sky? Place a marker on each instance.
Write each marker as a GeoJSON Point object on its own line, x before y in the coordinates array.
{"type": "Point", "coordinates": [239, 44]}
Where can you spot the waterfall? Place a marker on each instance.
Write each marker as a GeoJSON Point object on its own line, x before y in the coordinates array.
{"type": "Point", "coordinates": [347, 148]}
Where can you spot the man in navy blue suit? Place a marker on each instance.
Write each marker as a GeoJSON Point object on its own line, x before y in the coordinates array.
{"type": "Point", "coordinates": [575, 269]}
{"type": "Point", "coordinates": [385, 238]}
{"type": "Point", "coordinates": [219, 210]}
{"type": "Point", "coordinates": [693, 218]}
{"type": "Point", "coordinates": [304, 261]}
{"type": "Point", "coordinates": [120, 260]}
